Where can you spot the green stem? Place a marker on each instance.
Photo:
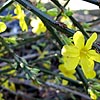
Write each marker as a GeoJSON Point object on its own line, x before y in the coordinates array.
{"type": "Point", "coordinates": [76, 23]}
{"type": "Point", "coordinates": [57, 3]}
{"type": "Point", "coordinates": [55, 34]}
{"type": "Point", "coordinates": [61, 76]}
{"type": "Point", "coordinates": [93, 2]}
{"type": "Point", "coordinates": [46, 58]}
{"type": "Point", "coordinates": [6, 71]}
{"type": "Point", "coordinates": [30, 39]}
{"type": "Point", "coordinates": [61, 11]}
{"type": "Point", "coordinates": [6, 46]}
{"type": "Point", "coordinates": [6, 60]}
{"type": "Point", "coordinates": [44, 17]}
{"type": "Point", "coordinates": [82, 77]}
{"type": "Point", "coordinates": [6, 4]}
{"type": "Point", "coordinates": [80, 72]}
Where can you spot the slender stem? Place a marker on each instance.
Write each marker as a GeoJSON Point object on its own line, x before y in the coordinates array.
{"type": "Point", "coordinates": [6, 46]}
{"type": "Point", "coordinates": [82, 77]}
{"type": "Point", "coordinates": [93, 2]}
{"type": "Point", "coordinates": [61, 11]}
{"type": "Point", "coordinates": [6, 71]}
{"type": "Point", "coordinates": [76, 23]}
{"type": "Point", "coordinates": [61, 76]}
{"type": "Point", "coordinates": [46, 58]}
{"type": "Point", "coordinates": [6, 4]}
{"type": "Point", "coordinates": [66, 3]}
{"type": "Point", "coordinates": [44, 17]}
{"type": "Point", "coordinates": [55, 34]}
{"type": "Point", "coordinates": [6, 60]}
{"type": "Point", "coordinates": [30, 39]}
{"type": "Point", "coordinates": [57, 3]}
{"type": "Point", "coordinates": [80, 72]}
{"type": "Point", "coordinates": [66, 90]}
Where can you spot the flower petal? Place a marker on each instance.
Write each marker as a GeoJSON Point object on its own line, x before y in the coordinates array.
{"type": "Point", "coordinates": [64, 70]}
{"type": "Point", "coordinates": [93, 55]}
{"type": "Point", "coordinates": [79, 40]}
{"type": "Point", "coordinates": [3, 27]}
{"type": "Point", "coordinates": [90, 74]}
{"type": "Point", "coordinates": [90, 41]}
{"type": "Point", "coordinates": [87, 67]}
{"type": "Point", "coordinates": [70, 75]}
{"type": "Point", "coordinates": [38, 26]}
{"type": "Point", "coordinates": [71, 62]}
{"type": "Point", "coordinates": [64, 82]}
{"type": "Point", "coordinates": [70, 51]}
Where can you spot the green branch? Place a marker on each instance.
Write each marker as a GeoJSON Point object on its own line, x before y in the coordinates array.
{"type": "Point", "coordinates": [93, 2]}
{"type": "Point", "coordinates": [44, 17]}
{"type": "Point", "coordinates": [76, 23]}
{"type": "Point", "coordinates": [6, 4]}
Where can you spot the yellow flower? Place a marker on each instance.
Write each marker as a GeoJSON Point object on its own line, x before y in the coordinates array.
{"type": "Point", "coordinates": [68, 22]}
{"type": "Point", "coordinates": [9, 85]}
{"type": "Point", "coordinates": [38, 26]}
{"type": "Point", "coordinates": [92, 94]}
{"type": "Point", "coordinates": [21, 16]}
{"type": "Point", "coordinates": [1, 96]}
{"type": "Point", "coordinates": [66, 73]}
{"type": "Point", "coordinates": [3, 27]}
{"type": "Point", "coordinates": [82, 54]}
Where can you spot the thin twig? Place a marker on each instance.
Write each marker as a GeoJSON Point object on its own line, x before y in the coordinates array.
{"type": "Point", "coordinates": [44, 17]}
{"type": "Point", "coordinates": [92, 1]}
{"type": "Point", "coordinates": [6, 4]}
{"type": "Point", "coordinates": [66, 90]}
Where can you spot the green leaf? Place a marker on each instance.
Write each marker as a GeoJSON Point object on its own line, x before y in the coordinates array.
{"type": "Point", "coordinates": [52, 12]}
{"type": "Point", "coordinates": [11, 40]}
{"type": "Point", "coordinates": [86, 25]}
{"type": "Point", "coordinates": [6, 18]}
{"type": "Point", "coordinates": [41, 7]}
{"type": "Point", "coordinates": [35, 71]}
{"type": "Point", "coordinates": [68, 12]}
{"type": "Point", "coordinates": [66, 39]}
{"type": "Point", "coordinates": [2, 27]}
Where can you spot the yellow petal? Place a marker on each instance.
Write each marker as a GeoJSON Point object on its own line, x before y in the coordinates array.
{"type": "Point", "coordinates": [33, 23]}
{"type": "Point", "coordinates": [70, 51]}
{"type": "Point", "coordinates": [64, 82]}
{"type": "Point", "coordinates": [93, 55]}
{"type": "Point", "coordinates": [2, 27]}
{"type": "Point", "coordinates": [70, 75]}
{"type": "Point", "coordinates": [17, 9]}
{"type": "Point", "coordinates": [38, 26]}
{"type": "Point", "coordinates": [23, 25]}
{"type": "Point", "coordinates": [87, 66]}
{"type": "Point", "coordinates": [71, 62]}
{"type": "Point", "coordinates": [78, 39]}
{"type": "Point", "coordinates": [90, 41]}
{"type": "Point", "coordinates": [90, 74]}
{"type": "Point", "coordinates": [64, 70]}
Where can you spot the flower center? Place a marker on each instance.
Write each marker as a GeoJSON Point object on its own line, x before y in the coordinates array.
{"type": "Point", "coordinates": [83, 52]}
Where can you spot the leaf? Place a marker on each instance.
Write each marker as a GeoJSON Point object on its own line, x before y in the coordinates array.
{"type": "Point", "coordinates": [52, 12]}
{"type": "Point", "coordinates": [6, 18]}
{"type": "Point", "coordinates": [11, 40]}
{"type": "Point", "coordinates": [41, 7]}
{"type": "Point", "coordinates": [68, 12]}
